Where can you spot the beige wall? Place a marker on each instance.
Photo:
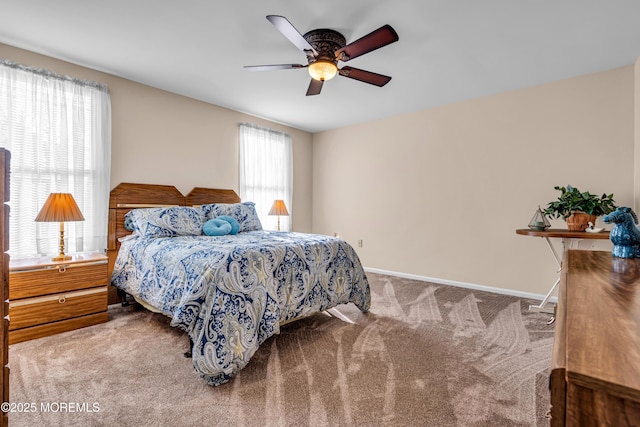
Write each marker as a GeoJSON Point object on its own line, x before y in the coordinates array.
{"type": "Point", "coordinates": [162, 138]}
{"type": "Point", "coordinates": [439, 193]}
{"type": "Point", "coordinates": [636, 118]}
{"type": "Point", "coordinates": [436, 193]}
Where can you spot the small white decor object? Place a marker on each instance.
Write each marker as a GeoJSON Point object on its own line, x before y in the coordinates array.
{"type": "Point", "coordinates": [592, 229]}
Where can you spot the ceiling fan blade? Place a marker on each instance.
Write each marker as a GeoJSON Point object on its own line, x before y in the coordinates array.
{"type": "Point", "coordinates": [374, 40]}
{"type": "Point", "coordinates": [314, 87]}
{"type": "Point", "coordinates": [272, 67]}
{"type": "Point", "coordinates": [289, 31]}
{"type": "Point", "coordinates": [364, 76]}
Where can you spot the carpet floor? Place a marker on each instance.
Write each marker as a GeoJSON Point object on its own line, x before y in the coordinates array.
{"type": "Point", "coordinates": [425, 355]}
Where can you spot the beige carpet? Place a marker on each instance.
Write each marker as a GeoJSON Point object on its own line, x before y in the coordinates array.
{"type": "Point", "coordinates": [426, 355]}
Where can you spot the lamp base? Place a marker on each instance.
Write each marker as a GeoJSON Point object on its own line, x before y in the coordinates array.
{"type": "Point", "coordinates": [61, 255]}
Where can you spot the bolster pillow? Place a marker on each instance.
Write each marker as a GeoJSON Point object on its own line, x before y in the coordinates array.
{"type": "Point", "coordinates": [216, 227]}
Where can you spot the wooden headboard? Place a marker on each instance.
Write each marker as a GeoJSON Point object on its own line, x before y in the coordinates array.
{"type": "Point", "coordinates": [128, 196]}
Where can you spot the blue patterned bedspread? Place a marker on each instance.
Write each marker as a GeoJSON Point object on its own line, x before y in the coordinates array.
{"type": "Point", "coordinates": [231, 292]}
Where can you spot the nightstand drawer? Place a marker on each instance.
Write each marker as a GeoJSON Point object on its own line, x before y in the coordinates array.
{"type": "Point", "coordinates": [52, 308]}
{"type": "Point", "coordinates": [53, 280]}
{"type": "Point", "coordinates": [48, 329]}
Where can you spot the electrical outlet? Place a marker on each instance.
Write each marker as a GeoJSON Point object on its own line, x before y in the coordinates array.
{"type": "Point", "coordinates": [360, 243]}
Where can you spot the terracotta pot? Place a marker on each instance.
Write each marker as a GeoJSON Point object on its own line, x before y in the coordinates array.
{"type": "Point", "coordinates": [579, 221]}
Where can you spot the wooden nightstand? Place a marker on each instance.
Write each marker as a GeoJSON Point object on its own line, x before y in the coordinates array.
{"type": "Point", "coordinates": [47, 297]}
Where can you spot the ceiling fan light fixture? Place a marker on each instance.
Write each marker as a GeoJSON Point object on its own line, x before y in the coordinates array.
{"type": "Point", "coordinates": [324, 47]}
{"type": "Point", "coordinates": [323, 70]}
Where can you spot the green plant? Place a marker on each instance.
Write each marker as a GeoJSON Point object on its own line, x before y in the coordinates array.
{"type": "Point", "coordinates": [571, 199]}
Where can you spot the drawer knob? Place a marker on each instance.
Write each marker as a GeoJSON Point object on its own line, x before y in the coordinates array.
{"type": "Point", "coordinates": [62, 299]}
{"type": "Point", "coordinates": [62, 268]}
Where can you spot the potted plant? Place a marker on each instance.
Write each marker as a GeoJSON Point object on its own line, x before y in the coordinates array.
{"type": "Point", "coordinates": [579, 208]}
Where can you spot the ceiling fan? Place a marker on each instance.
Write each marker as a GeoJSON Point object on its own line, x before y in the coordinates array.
{"type": "Point", "coordinates": [324, 48]}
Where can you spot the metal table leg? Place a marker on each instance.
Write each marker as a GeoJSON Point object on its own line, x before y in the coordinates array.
{"type": "Point", "coordinates": [541, 307]}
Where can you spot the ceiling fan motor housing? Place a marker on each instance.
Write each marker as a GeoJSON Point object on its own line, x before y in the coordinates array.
{"type": "Point", "coordinates": [326, 42]}
{"type": "Point", "coordinates": [324, 48]}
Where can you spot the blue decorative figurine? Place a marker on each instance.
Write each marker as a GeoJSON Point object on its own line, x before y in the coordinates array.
{"type": "Point", "coordinates": [625, 234]}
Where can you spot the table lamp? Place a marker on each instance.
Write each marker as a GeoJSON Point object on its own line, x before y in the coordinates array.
{"type": "Point", "coordinates": [279, 208]}
{"type": "Point", "coordinates": [60, 207]}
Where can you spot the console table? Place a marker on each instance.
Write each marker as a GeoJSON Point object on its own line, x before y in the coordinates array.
{"type": "Point", "coordinates": [595, 371]}
{"type": "Point", "coordinates": [567, 237]}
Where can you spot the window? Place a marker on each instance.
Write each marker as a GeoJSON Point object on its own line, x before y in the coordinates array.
{"type": "Point", "coordinates": [58, 130]}
{"type": "Point", "coordinates": [266, 175]}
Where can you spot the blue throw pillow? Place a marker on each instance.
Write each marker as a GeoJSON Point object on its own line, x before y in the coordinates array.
{"type": "Point", "coordinates": [216, 227]}
{"type": "Point", "coordinates": [235, 225]}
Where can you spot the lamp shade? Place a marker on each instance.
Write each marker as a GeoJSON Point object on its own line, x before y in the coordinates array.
{"type": "Point", "coordinates": [278, 208]}
{"type": "Point", "coordinates": [60, 207]}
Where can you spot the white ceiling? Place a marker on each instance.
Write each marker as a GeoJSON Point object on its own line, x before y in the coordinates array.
{"type": "Point", "coordinates": [449, 50]}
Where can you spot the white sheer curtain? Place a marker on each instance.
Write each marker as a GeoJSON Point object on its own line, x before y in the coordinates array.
{"type": "Point", "coordinates": [266, 172]}
{"type": "Point", "coordinates": [58, 130]}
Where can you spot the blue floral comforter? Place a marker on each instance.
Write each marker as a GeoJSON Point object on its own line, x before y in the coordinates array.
{"type": "Point", "coordinates": [230, 293]}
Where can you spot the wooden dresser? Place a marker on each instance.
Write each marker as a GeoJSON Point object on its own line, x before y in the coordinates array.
{"type": "Point", "coordinates": [595, 377]}
{"type": "Point", "coordinates": [49, 297]}
{"type": "Point", "coordinates": [5, 160]}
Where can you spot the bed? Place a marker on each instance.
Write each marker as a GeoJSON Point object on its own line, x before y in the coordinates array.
{"type": "Point", "coordinates": [229, 292]}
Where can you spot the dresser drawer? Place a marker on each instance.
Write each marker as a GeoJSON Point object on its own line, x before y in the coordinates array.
{"type": "Point", "coordinates": [51, 308]}
{"type": "Point", "coordinates": [54, 280]}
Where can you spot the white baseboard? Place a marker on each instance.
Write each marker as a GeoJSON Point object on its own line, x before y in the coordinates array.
{"type": "Point", "coordinates": [463, 285]}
